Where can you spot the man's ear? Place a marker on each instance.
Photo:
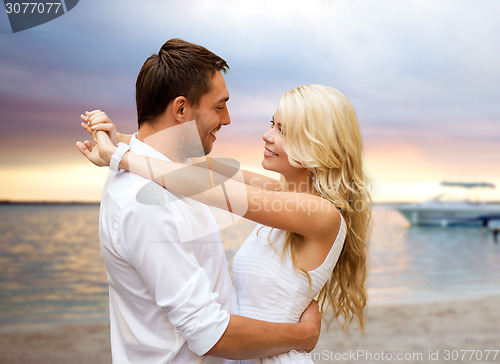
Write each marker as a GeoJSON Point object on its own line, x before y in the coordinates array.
{"type": "Point", "coordinates": [180, 109]}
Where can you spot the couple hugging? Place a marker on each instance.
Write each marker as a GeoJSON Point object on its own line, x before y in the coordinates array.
{"type": "Point", "coordinates": [170, 294]}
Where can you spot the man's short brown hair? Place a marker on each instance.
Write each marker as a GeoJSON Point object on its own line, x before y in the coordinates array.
{"type": "Point", "coordinates": [179, 69]}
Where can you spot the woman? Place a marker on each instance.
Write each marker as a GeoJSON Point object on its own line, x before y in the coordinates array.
{"type": "Point", "coordinates": [313, 226]}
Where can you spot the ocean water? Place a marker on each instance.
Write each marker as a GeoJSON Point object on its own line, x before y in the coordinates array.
{"type": "Point", "coordinates": [424, 264]}
{"type": "Point", "coordinates": [51, 270]}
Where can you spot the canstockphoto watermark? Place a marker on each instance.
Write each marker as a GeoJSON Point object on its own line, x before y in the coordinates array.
{"type": "Point", "coordinates": [357, 355]}
{"type": "Point", "coordinates": [223, 186]}
{"type": "Point", "coordinates": [428, 356]}
{"type": "Point", "coordinates": [28, 14]}
{"type": "Point", "coordinates": [298, 203]}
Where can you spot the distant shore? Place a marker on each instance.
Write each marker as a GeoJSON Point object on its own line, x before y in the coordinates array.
{"type": "Point", "coordinates": [418, 333]}
{"type": "Point", "coordinates": [8, 202]}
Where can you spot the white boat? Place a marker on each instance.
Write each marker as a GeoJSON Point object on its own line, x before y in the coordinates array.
{"type": "Point", "coordinates": [442, 212]}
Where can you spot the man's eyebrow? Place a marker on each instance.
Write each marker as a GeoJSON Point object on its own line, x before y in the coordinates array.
{"type": "Point", "coordinates": [223, 99]}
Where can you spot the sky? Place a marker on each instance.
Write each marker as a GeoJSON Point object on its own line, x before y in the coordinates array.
{"type": "Point", "coordinates": [423, 77]}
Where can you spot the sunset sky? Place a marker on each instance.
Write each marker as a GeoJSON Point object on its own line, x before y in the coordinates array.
{"type": "Point", "coordinates": [423, 77]}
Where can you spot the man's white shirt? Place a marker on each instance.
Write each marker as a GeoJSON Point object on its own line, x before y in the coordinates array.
{"type": "Point", "coordinates": [170, 294]}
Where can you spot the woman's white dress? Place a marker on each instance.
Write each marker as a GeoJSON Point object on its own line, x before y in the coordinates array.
{"type": "Point", "coordinates": [269, 288]}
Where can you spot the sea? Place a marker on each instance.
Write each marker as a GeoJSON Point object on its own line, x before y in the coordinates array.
{"type": "Point", "coordinates": [51, 270]}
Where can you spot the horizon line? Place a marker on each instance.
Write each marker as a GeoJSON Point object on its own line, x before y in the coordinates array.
{"type": "Point", "coordinates": [76, 202]}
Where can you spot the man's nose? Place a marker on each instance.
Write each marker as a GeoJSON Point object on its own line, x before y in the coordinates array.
{"type": "Point", "coordinates": [226, 119]}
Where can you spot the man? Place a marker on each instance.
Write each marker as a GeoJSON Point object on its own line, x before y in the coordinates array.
{"type": "Point", "coordinates": [171, 299]}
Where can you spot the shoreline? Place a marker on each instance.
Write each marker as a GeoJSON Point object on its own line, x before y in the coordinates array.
{"type": "Point", "coordinates": [371, 305]}
{"type": "Point", "coordinates": [434, 300]}
{"type": "Point", "coordinates": [405, 328]}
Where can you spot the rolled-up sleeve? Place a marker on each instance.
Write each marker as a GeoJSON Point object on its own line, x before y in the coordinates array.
{"type": "Point", "coordinates": [172, 274]}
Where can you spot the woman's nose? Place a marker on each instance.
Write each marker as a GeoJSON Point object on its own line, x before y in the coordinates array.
{"type": "Point", "coordinates": [267, 137]}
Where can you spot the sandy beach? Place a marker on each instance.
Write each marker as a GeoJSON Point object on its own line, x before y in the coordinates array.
{"type": "Point", "coordinates": [419, 333]}
{"type": "Point", "coordinates": [415, 333]}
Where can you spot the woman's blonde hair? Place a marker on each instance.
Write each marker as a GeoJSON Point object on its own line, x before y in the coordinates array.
{"type": "Point", "coordinates": [321, 134]}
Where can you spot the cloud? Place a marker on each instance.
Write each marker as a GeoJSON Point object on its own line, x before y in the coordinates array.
{"type": "Point", "coordinates": [423, 76]}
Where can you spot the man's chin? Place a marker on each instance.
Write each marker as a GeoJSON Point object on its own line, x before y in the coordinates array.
{"type": "Point", "coordinates": [207, 148]}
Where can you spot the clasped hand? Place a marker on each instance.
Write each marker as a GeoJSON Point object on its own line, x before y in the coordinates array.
{"type": "Point", "coordinates": [104, 135]}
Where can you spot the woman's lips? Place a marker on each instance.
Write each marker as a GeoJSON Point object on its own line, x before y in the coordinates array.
{"type": "Point", "coordinates": [269, 153]}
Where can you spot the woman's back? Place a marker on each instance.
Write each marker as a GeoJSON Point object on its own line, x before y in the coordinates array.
{"type": "Point", "coordinates": [269, 288]}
